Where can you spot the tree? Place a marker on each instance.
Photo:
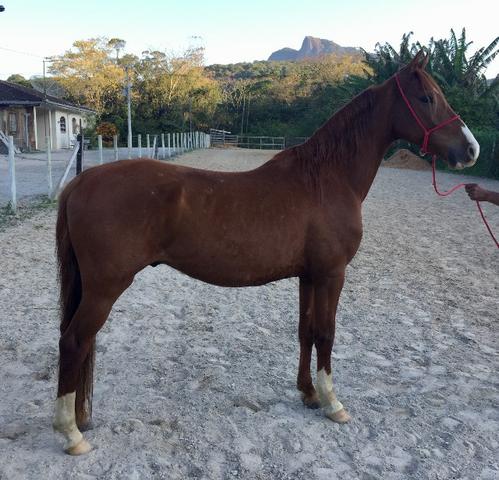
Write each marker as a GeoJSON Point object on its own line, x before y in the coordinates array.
{"type": "Point", "coordinates": [20, 80]}
{"type": "Point", "coordinates": [175, 89]}
{"type": "Point", "coordinates": [452, 68]}
{"type": "Point", "coordinates": [89, 74]}
{"type": "Point", "coordinates": [117, 44]}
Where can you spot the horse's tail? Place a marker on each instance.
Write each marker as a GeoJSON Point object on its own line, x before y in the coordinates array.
{"type": "Point", "coordinates": [69, 299]}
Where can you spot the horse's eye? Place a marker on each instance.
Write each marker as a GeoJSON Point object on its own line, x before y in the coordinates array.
{"type": "Point", "coordinates": [426, 99]}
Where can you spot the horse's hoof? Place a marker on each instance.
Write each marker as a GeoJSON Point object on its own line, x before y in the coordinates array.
{"type": "Point", "coordinates": [311, 401]}
{"type": "Point", "coordinates": [80, 448]}
{"type": "Point", "coordinates": [341, 416]}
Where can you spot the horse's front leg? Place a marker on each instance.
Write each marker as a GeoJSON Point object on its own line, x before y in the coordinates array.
{"type": "Point", "coordinates": [306, 336]}
{"type": "Point", "coordinates": [326, 297]}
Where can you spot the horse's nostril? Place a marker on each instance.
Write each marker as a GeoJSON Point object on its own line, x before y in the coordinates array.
{"type": "Point", "coordinates": [471, 152]}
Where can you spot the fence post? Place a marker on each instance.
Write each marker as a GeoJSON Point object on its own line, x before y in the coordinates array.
{"type": "Point", "coordinates": [163, 148]}
{"type": "Point", "coordinates": [129, 144]}
{"type": "Point", "coordinates": [79, 155]}
{"type": "Point", "coordinates": [148, 145]}
{"type": "Point", "coordinates": [115, 146]}
{"type": "Point", "coordinates": [154, 146]}
{"type": "Point", "coordinates": [139, 140]}
{"type": "Point", "coordinates": [49, 165]}
{"type": "Point", "coordinates": [12, 174]}
{"type": "Point", "coordinates": [169, 149]}
{"type": "Point", "coordinates": [99, 143]}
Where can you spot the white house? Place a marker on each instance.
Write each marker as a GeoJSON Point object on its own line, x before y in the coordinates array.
{"type": "Point", "coordinates": [31, 116]}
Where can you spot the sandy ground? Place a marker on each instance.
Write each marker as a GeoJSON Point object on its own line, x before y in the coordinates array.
{"type": "Point", "coordinates": [196, 381]}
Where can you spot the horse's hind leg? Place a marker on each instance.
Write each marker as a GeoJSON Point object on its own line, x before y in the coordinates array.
{"type": "Point", "coordinates": [326, 301]}
{"type": "Point", "coordinates": [306, 337]}
{"type": "Point", "coordinates": [76, 347]}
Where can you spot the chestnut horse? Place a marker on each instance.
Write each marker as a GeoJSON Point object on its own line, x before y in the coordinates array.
{"type": "Point", "coordinates": [298, 215]}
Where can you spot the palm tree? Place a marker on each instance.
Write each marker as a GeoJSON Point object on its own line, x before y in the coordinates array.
{"type": "Point", "coordinates": [383, 63]}
{"type": "Point", "coordinates": [452, 68]}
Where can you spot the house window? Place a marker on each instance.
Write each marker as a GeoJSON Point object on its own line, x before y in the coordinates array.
{"type": "Point", "coordinates": [12, 123]}
{"type": "Point", "coordinates": [74, 126]}
{"type": "Point", "coordinates": [62, 123]}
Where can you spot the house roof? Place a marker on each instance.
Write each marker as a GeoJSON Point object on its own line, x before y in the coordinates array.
{"type": "Point", "coordinates": [12, 94]}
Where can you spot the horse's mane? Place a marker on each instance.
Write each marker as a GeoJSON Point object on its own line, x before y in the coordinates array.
{"type": "Point", "coordinates": [338, 140]}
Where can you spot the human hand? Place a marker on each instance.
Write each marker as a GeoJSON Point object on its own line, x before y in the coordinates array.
{"type": "Point", "coordinates": [476, 192]}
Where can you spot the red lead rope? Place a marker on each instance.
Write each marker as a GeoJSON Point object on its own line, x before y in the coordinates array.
{"type": "Point", "coordinates": [424, 149]}
{"type": "Point", "coordinates": [453, 189]}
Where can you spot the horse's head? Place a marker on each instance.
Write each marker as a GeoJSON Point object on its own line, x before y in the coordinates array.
{"type": "Point", "coordinates": [423, 116]}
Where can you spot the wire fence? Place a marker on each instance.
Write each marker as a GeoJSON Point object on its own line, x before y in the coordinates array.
{"type": "Point", "coordinates": [46, 173]}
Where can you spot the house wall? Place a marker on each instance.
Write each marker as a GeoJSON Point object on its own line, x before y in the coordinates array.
{"type": "Point", "coordinates": [70, 122]}
{"type": "Point", "coordinates": [24, 133]}
{"type": "Point", "coordinates": [60, 139]}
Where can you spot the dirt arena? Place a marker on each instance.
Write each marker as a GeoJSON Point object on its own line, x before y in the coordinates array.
{"type": "Point", "coordinates": [195, 381]}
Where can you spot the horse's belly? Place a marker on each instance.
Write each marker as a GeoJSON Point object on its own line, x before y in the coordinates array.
{"type": "Point", "coordinates": [228, 269]}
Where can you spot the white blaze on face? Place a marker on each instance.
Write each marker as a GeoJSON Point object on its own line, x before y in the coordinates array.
{"type": "Point", "coordinates": [326, 393]}
{"type": "Point", "coordinates": [472, 141]}
{"type": "Point", "coordinates": [64, 419]}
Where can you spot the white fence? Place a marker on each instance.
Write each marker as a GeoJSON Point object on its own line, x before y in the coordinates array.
{"type": "Point", "coordinates": [34, 174]}
{"type": "Point", "coordinates": [223, 138]}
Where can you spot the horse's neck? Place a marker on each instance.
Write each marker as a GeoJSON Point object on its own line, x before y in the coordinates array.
{"type": "Point", "coordinates": [359, 167]}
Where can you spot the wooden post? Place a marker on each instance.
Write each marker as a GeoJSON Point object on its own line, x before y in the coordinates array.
{"type": "Point", "coordinates": [12, 175]}
{"type": "Point", "coordinates": [115, 146]}
{"type": "Point", "coordinates": [99, 143]}
{"type": "Point", "coordinates": [163, 148]}
{"type": "Point", "coordinates": [79, 155]}
{"type": "Point", "coordinates": [169, 147]}
{"type": "Point", "coordinates": [49, 166]}
{"type": "Point", "coordinates": [148, 145]}
{"type": "Point", "coordinates": [139, 140]}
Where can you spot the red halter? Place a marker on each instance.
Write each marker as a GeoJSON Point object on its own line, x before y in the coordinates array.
{"type": "Point", "coordinates": [427, 131]}
{"type": "Point", "coordinates": [424, 150]}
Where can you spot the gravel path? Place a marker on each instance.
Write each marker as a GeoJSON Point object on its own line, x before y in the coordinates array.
{"type": "Point", "coordinates": [196, 381]}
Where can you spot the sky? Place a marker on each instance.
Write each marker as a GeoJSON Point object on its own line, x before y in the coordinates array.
{"type": "Point", "coordinates": [229, 30]}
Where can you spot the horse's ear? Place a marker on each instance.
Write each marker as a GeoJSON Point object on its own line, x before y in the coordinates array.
{"type": "Point", "coordinates": [420, 61]}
